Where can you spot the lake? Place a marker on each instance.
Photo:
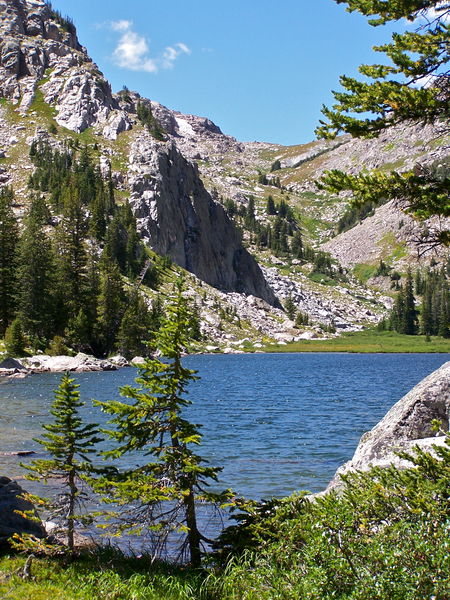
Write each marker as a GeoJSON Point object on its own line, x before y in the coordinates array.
{"type": "Point", "coordinates": [277, 423]}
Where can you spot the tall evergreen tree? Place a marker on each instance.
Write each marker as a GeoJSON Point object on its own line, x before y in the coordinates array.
{"type": "Point", "coordinates": [297, 245]}
{"type": "Point", "coordinates": [410, 316]}
{"type": "Point", "coordinates": [15, 340]}
{"type": "Point", "coordinates": [164, 491]}
{"type": "Point", "coordinates": [9, 240]}
{"type": "Point", "coordinates": [68, 441]}
{"type": "Point", "coordinates": [110, 306]}
{"type": "Point", "coordinates": [135, 329]}
{"type": "Point", "coordinates": [36, 274]}
{"type": "Point", "coordinates": [71, 254]}
{"type": "Point", "coordinates": [270, 207]}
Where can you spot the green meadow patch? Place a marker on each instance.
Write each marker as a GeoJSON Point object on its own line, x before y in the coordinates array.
{"type": "Point", "coordinates": [367, 341]}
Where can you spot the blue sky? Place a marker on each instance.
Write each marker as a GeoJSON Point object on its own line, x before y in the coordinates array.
{"type": "Point", "coordinates": [260, 70]}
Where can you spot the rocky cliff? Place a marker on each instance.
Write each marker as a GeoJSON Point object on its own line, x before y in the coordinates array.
{"type": "Point", "coordinates": [42, 65]}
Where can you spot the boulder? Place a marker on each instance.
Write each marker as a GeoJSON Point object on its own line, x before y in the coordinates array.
{"type": "Point", "coordinates": [79, 363]}
{"type": "Point", "coordinates": [407, 424]}
{"type": "Point", "coordinates": [119, 361]}
{"type": "Point", "coordinates": [11, 522]}
{"type": "Point", "coordinates": [12, 363]}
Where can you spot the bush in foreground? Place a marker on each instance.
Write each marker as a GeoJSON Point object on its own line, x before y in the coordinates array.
{"type": "Point", "coordinates": [385, 537]}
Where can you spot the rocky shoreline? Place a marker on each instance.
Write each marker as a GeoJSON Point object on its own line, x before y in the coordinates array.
{"type": "Point", "coordinates": [42, 363]}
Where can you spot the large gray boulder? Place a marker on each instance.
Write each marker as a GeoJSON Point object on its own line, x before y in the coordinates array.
{"type": "Point", "coordinates": [407, 424]}
{"type": "Point", "coordinates": [11, 501]}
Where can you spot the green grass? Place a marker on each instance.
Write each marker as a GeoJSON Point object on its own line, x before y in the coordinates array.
{"type": "Point", "coordinates": [367, 341]}
{"type": "Point", "coordinates": [364, 271]}
{"type": "Point", "coordinates": [104, 575]}
{"type": "Point", "coordinates": [42, 107]}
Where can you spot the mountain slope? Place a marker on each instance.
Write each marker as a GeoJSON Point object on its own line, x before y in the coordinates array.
{"type": "Point", "coordinates": [49, 78]}
{"type": "Point", "coordinates": [177, 171]}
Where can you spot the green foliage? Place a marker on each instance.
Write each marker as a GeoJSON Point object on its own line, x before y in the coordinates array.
{"type": "Point", "coordinates": [146, 117]}
{"type": "Point", "coordinates": [383, 269]}
{"type": "Point", "coordinates": [104, 573]}
{"type": "Point", "coordinates": [384, 537]}
{"type": "Point", "coordinates": [163, 492]}
{"type": "Point", "coordinates": [68, 441]}
{"type": "Point", "coordinates": [138, 327]}
{"type": "Point", "coordinates": [302, 319]}
{"type": "Point", "coordinates": [65, 176]}
{"type": "Point", "coordinates": [355, 214]}
{"type": "Point", "coordinates": [435, 305]}
{"type": "Point", "coordinates": [270, 207]}
{"type": "Point", "coordinates": [392, 94]}
{"type": "Point", "coordinates": [57, 347]}
{"type": "Point", "coordinates": [262, 178]}
{"type": "Point", "coordinates": [122, 244]}
{"type": "Point", "coordinates": [9, 240]}
{"type": "Point", "coordinates": [36, 273]}
{"type": "Point", "coordinates": [297, 245]}
{"type": "Point", "coordinates": [65, 281]}
{"type": "Point", "coordinates": [15, 340]}
{"type": "Point", "coordinates": [110, 306]}
{"type": "Point", "coordinates": [290, 308]}
{"type": "Point", "coordinates": [367, 341]}
{"type": "Point", "coordinates": [276, 165]}
{"type": "Point", "coordinates": [65, 22]}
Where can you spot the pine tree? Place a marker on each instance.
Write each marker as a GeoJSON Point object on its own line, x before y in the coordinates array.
{"type": "Point", "coordinates": [410, 317]}
{"type": "Point", "coordinates": [404, 314]}
{"type": "Point", "coordinates": [9, 239]}
{"type": "Point", "coordinates": [36, 274]}
{"type": "Point", "coordinates": [15, 340]}
{"type": "Point", "coordinates": [164, 491]}
{"type": "Point", "coordinates": [110, 306]}
{"type": "Point", "coordinates": [297, 245]}
{"type": "Point", "coordinates": [393, 93]}
{"type": "Point", "coordinates": [290, 308]}
{"type": "Point", "coordinates": [68, 441]}
{"type": "Point", "coordinates": [71, 256]}
{"type": "Point", "coordinates": [426, 320]}
{"type": "Point", "coordinates": [135, 328]}
{"type": "Point", "coordinates": [270, 207]}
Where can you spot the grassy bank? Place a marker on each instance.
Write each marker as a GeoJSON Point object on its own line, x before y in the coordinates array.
{"type": "Point", "coordinates": [367, 341]}
{"type": "Point", "coordinates": [105, 575]}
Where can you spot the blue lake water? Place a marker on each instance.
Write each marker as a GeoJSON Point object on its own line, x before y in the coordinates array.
{"type": "Point", "coordinates": [277, 423]}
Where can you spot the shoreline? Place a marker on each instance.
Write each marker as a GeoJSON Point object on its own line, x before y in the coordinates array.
{"type": "Point", "coordinates": [102, 365]}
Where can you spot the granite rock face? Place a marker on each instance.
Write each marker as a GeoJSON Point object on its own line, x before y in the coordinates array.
{"type": "Point", "coordinates": [408, 423]}
{"type": "Point", "coordinates": [177, 217]}
{"type": "Point", "coordinates": [10, 522]}
{"type": "Point", "coordinates": [39, 51]}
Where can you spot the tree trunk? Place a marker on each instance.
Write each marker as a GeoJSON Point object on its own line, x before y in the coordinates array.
{"type": "Point", "coordinates": [71, 511]}
{"type": "Point", "coordinates": [193, 533]}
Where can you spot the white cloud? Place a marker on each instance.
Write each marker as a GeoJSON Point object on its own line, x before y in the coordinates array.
{"type": "Point", "coordinates": [171, 53]}
{"type": "Point", "coordinates": [133, 51]}
{"type": "Point", "coordinates": [121, 25]}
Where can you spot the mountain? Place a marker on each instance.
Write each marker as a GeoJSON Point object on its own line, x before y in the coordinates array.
{"type": "Point", "coordinates": [42, 63]}
{"type": "Point", "coordinates": [200, 196]}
